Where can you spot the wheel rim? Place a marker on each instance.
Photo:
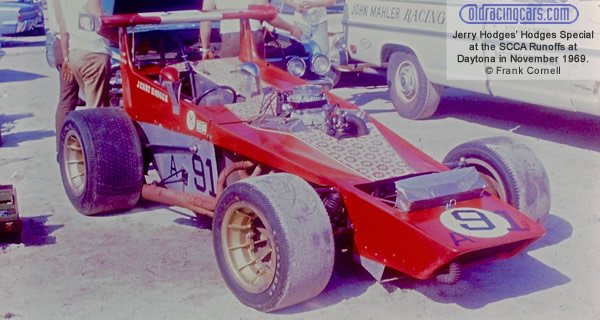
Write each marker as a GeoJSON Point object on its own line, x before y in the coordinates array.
{"type": "Point", "coordinates": [406, 81]}
{"type": "Point", "coordinates": [74, 163]}
{"type": "Point", "coordinates": [248, 246]}
{"type": "Point", "coordinates": [495, 186]}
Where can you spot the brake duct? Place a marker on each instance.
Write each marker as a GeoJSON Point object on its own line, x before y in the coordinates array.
{"type": "Point", "coordinates": [199, 204]}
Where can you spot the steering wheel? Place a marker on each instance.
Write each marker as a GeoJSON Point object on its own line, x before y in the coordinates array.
{"type": "Point", "coordinates": [206, 93]}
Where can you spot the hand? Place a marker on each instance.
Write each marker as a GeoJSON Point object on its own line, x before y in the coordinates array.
{"type": "Point", "coordinates": [296, 32]}
{"type": "Point", "coordinates": [305, 6]}
{"type": "Point", "coordinates": [65, 72]}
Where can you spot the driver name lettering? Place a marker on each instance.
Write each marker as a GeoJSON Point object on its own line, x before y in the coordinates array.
{"type": "Point", "coordinates": [153, 91]}
{"type": "Point", "coordinates": [143, 86]}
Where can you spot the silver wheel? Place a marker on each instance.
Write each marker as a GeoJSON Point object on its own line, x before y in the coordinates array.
{"type": "Point", "coordinates": [249, 247]}
{"type": "Point", "coordinates": [74, 163]}
{"type": "Point", "coordinates": [273, 241]}
{"type": "Point", "coordinates": [406, 77]}
{"type": "Point", "coordinates": [412, 94]}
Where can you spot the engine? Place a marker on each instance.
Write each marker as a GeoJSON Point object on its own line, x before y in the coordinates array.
{"type": "Point", "coordinates": [307, 107]}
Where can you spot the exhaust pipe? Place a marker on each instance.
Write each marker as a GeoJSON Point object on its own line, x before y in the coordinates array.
{"type": "Point", "coordinates": [199, 204]}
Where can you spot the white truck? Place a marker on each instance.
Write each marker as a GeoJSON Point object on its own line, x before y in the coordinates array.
{"type": "Point", "coordinates": [409, 39]}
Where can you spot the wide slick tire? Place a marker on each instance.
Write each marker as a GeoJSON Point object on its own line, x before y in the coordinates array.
{"type": "Point", "coordinates": [273, 241]}
{"type": "Point", "coordinates": [100, 159]}
{"type": "Point", "coordinates": [413, 96]}
{"type": "Point", "coordinates": [512, 171]}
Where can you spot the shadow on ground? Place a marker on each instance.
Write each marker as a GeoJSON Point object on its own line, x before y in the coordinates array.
{"type": "Point", "coordinates": [187, 218]}
{"type": "Point", "coordinates": [375, 89]}
{"type": "Point", "coordinates": [499, 280]}
{"type": "Point", "coordinates": [578, 130]}
{"type": "Point", "coordinates": [479, 285]}
{"type": "Point", "coordinates": [7, 120]}
{"type": "Point", "coordinates": [36, 232]}
{"type": "Point", "coordinates": [7, 124]}
{"type": "Point", "coordinates": [8, 75]}
{"type": "Point", "coordinates": [14, 139]}
{"type": "Point", "coordinates": [358, 79]}
{"type": "Point", "coordinates": [349, 280]}
{"type": "Point", "coordinates": [191, 220]}
{"type": "Point", "coordinates": [10, 41]}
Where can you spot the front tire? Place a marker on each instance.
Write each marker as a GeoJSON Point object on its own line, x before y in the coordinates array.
{"type": "Point", "coordinates": [273, 241]}
{"type": "Point", "coordinates": [101, 162]}
{"type": "Point", "coordinates": [413, 96]}
{"type": "Point", "coordinates": [512, 171]}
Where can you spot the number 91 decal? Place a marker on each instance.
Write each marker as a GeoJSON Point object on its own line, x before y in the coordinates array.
{"type": "Point", "coordinates": [477, 223]}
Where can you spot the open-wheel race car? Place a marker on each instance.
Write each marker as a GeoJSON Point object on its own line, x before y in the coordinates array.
{"type": "Point", "coordinates": [285, 168]}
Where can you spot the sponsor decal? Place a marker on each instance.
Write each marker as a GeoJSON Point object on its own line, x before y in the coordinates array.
{"type": "Point", "coordinates": [201, 127]}
{"type": "Point", "coordinates": [191, 120]}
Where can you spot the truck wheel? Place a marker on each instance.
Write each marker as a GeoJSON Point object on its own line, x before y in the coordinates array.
{"type": "Point", "coordinates": [273, 241]}
{"type": "Point", "coordinates": [100, 158]}
{"type": "Point", "coordinates": [512, 171]}
{"type": "Point", "coordinates": [413, 96]}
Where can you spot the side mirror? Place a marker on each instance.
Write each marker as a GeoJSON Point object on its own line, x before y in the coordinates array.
{"type": "Point", "coordinates": [169, 78]}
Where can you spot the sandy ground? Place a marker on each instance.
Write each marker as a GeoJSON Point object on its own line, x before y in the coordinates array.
{"type": "Point", "coordinates": [157, 263]}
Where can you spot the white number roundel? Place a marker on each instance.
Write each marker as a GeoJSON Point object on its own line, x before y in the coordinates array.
{"type": "Point", "coordinates": [475, 222]}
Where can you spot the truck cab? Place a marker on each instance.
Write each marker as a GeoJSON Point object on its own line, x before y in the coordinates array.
{"type": "Point", "coordinates": [410, 40]}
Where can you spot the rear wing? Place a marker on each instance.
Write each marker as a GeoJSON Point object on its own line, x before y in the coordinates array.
{"type": "Point", "coordinates": [256, 12]}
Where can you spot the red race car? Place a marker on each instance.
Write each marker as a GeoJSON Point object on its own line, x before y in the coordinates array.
{"type": "Point", "coordinates": [286, 168]}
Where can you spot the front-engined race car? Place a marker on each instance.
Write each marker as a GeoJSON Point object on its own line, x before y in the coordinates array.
{"type": "Point", "coordinates": [285, 168]}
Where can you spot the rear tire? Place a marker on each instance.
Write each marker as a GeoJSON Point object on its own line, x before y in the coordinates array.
{"type": "Point", "coordinates": [512, 170]}
{"type": "Point", "coordinates": [413, 96]}
{"type": "Point", "coordinates": [101, 162]}
{"type": "Point", "coordinates": [273, 241]}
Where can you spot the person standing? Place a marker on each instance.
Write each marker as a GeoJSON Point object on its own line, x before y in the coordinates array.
{"type": "Point", "coordinates": [311, 17]}
{"type": "Point", "coordinates": [87, 58]}
{"type": "Point", "coordinates": [230, 29]}
{"type": "Point", "coordinates": [68, 89]}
